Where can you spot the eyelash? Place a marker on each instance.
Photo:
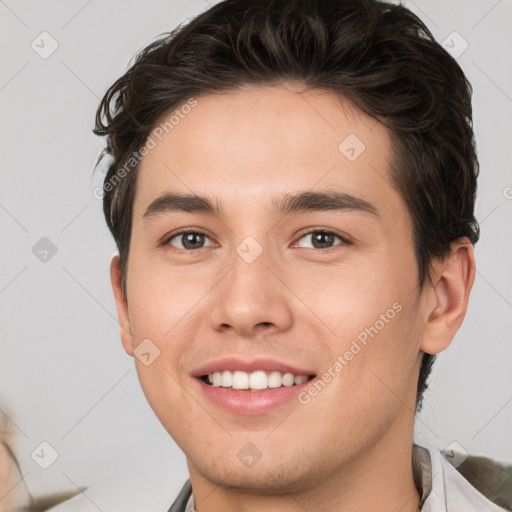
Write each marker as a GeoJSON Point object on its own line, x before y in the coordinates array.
{"type": "Point", "coordinates": [344, 240]}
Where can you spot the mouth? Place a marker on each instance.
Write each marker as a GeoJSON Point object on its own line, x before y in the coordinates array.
{"type": "Point", "coordinates": [254, 386]}
{"type": "Point", "coordinates": [256, 381]}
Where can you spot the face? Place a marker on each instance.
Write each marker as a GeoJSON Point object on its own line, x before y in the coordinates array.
{"type": "Point", "coordinates": [259, 284]}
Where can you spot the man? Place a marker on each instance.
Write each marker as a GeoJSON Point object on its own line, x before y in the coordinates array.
{"type": "Point", "coordinates": [291, 190]}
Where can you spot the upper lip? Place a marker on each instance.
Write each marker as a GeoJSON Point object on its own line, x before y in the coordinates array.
{"type": "Point", "coordinates": [249, 365]}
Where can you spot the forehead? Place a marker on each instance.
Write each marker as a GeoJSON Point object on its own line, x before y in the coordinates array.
{"type": "Point", "coordinates": [262, 141]}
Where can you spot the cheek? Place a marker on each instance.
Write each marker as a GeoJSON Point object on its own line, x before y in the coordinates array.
{"type": "Point", "coordinates": [164, 314]}
{"type": "Point", "coordinates": [162, 300]}
{"type": "Point", "coordinates": [167, 397]}
{"type": "Point", "coordinates": [372, 330]}
{"type": "Point", "coordinates": [354, 302]}
{"type": "Point", "coordinates": [386, 368]}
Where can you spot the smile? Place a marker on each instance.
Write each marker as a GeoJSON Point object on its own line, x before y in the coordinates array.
{"type": "Point", "coordinates": [259, 380]}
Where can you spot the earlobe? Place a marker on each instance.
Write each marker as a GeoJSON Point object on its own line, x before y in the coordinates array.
{"type": "Point", "coordinates": [452, 281]}
{"type": "Point", "coordinates": [121, 305]}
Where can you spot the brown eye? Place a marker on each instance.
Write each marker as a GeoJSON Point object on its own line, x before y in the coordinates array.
{"type": "Point", "coordinates": [188, 240]}
{"type": "Point", "coordinates": [321, 239]}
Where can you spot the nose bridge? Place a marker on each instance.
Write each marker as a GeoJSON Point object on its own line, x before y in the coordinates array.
{"type": "Point", "coordinates": [250, 295]}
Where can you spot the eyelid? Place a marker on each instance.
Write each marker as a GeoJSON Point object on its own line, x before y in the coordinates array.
{"type": "Point", "coordinates": [307, 231]}
{"type": "Point", "coordinates": [167, 238]}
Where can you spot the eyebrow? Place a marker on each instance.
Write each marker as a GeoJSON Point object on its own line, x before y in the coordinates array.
{"type": "Point", "coordinates": [302, 202]}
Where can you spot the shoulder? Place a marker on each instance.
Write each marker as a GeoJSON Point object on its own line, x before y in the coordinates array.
{"type": "Point", "coordinates": [450, 491]}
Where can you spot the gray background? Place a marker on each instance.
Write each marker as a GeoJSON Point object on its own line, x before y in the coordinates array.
{"type": "Point", "coordinates": [64, 376]}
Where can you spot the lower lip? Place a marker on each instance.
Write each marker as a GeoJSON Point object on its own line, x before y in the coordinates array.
{"type": "Point", "coordinates": [251, 402]}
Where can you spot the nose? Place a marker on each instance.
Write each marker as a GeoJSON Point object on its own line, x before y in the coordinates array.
{"type": "Point", "coordinates": [251, 300]}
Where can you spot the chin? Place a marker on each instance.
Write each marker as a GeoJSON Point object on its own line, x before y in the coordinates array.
{"type": "Point", "coordinates": [264, 478]}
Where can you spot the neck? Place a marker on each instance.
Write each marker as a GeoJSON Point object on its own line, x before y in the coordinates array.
{"type": "Point", "coordinates": [379, 478]}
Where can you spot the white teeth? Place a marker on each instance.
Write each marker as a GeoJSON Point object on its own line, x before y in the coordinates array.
{"type": "Point", "coordinates": [257, 380]}
{"type": "Point", "coordinates": [227, 379]}
{"type": "Point", "coordinates": [275, 380]}
{"type": "Point", "coordinates": [240, 380]}
{"type": "Point", "coordinates": [288, 379]}
{"type": "Point", "coordinates": [217, 379]}
{"type": "Point", "coordinates": [300, 379]}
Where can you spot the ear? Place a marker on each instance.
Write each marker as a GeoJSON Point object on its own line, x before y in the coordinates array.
{"type": "Point", "coordinates": [121, 305]}
{"type": "Point", "coordinates": [448, 296]}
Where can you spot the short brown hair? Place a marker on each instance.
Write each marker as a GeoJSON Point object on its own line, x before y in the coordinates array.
{"type": "Point", "coordinates": [378, 55]}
